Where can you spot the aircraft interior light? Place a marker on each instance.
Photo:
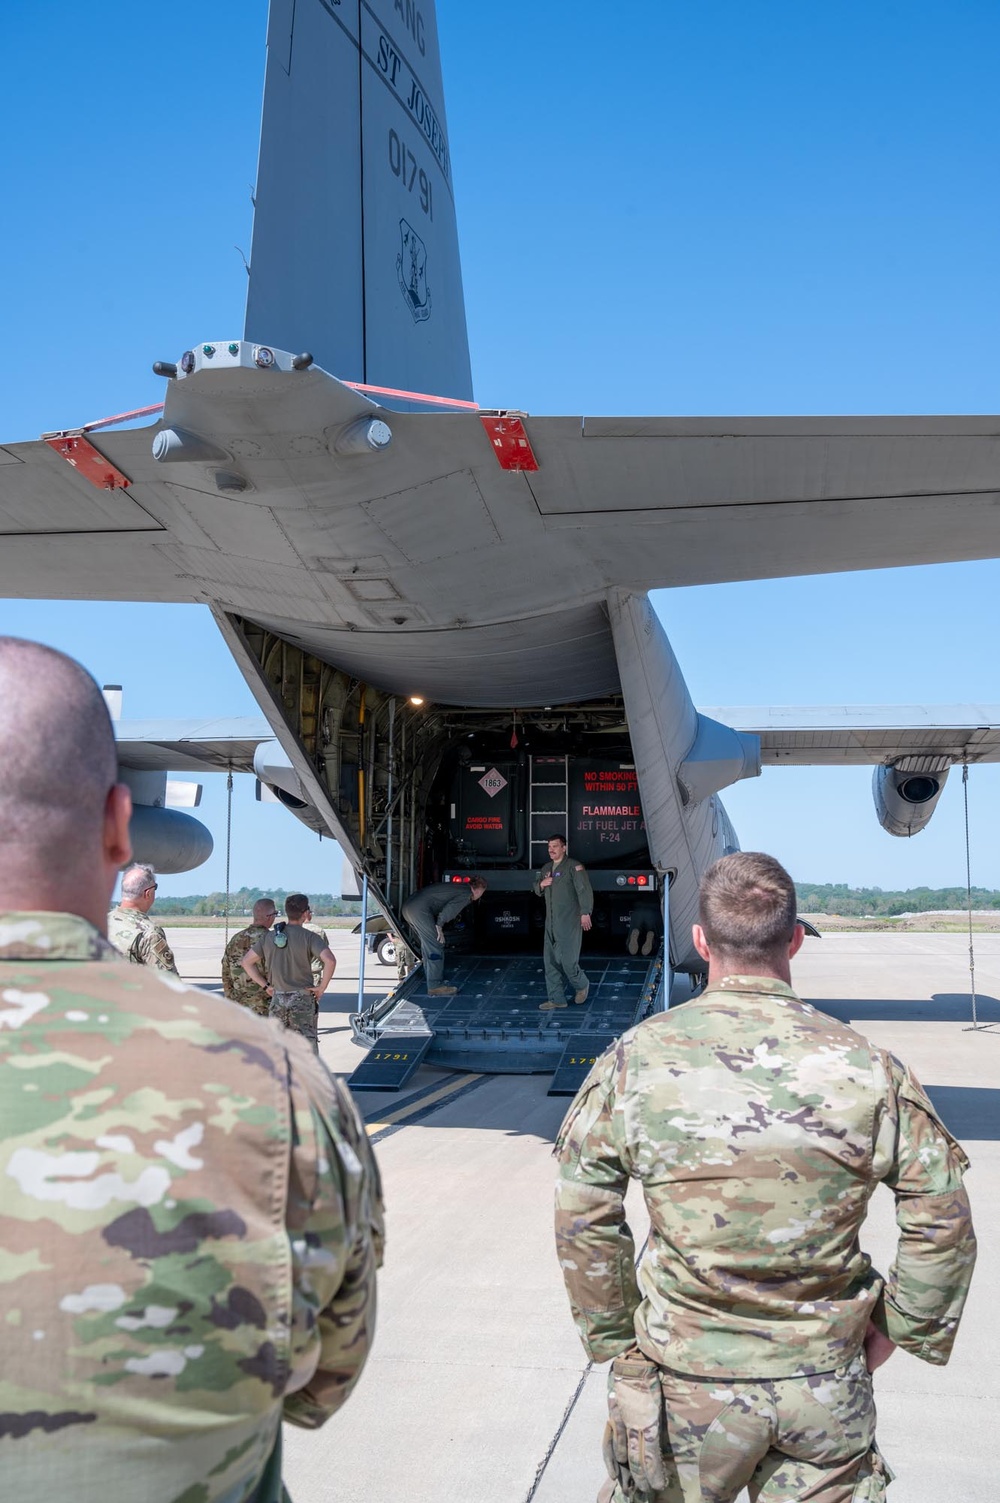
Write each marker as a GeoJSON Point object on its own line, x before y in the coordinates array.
{"type": "Point", "coordinates": [416, 699]}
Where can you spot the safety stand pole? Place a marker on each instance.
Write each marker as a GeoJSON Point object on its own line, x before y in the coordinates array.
{"type": "Point", "coordinates": [229, 841]}
{"type": "Point", "coordinates": [389, 797]}
{"type": "Point", "coordinates": [976, 1027]}
{"type": "Point", "coordinates": [364, 943]}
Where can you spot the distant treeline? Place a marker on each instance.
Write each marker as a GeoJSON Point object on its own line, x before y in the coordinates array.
{"type": "Point", "coordinates": [862, 902]}
{"type": "Point", "coordinates": [241, 902]}
{"type": "Point", "coordinates": [814, 897]}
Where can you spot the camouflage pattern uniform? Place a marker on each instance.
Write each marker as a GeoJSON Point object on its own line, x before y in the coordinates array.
{"type": "Point", "coordinates": [299, 1012]}
{"type": "Point", "coordinates": [135, 936]}
{"type": "Point", "coordinates": [317, 964]}
{"type": "Point", "coordinates": [289, 1007]}
{"type": "Point", "coordinates": [758, 1128]}
{"type": "Point", "coordinates": [236, 984]}
{"type": "Point", "coordinates": [192, 1222]}
{"type": "Point", "coordinates": [405, 958]}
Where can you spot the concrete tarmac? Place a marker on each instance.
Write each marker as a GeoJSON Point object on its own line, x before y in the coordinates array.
{"type": "Point", "coordinates": [478, 1388]}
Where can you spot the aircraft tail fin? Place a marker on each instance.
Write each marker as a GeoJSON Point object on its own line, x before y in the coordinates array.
{"type": "Point", "coordinates": [355, 241]}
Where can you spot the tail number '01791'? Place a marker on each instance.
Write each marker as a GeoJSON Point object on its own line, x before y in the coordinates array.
{"type": "Point", "coordinates": [404, 166]}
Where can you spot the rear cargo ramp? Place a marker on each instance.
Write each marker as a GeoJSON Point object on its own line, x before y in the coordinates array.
{"type": "Point", "coordinates": [493, 1023]}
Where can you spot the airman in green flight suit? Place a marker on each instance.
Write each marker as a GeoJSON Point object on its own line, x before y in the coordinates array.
{"type": "Point", "coordinates": [569, 898]}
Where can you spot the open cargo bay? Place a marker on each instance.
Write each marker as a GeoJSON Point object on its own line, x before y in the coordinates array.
{"type": "Point", "coordinates": [502, 786]}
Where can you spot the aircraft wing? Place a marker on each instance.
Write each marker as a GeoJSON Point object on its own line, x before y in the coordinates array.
{"type": "Point", "coordinates": [191, 745]}
{"type": "Point", "coordinates": [865, 735]}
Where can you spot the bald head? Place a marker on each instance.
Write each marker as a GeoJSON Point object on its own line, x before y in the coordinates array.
{"type": "Point", "coordinates": [57, 750]}
{"type": "Point", "coordinates": [264, 912]}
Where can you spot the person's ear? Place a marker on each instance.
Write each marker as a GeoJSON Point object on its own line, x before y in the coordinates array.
{"type": "Point", "coordinates": [700, 942]}
{"type": "Point", "coordinates": [117, 813]}
{"type": "Point", "coordinates": [795, 944]}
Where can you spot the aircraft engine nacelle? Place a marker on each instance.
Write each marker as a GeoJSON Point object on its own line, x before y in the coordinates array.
{"type": "Point", "coordinates": [168, 840]}
{"type": "Point", "coordinates": [276, 773]}
{"type": "Point", "coordinates": [906, 795]}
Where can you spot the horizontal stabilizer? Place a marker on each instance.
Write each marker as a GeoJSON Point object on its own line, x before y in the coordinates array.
{"type": "Point", "coordinates": [296, 527]}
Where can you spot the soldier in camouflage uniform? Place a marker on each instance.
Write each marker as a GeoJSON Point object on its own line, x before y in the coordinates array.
{"type": "Point", "coordinates": [317, 964]}
{"type": "Point", "coordinates": [283, 963]}
{"type": "Point", "coordinates": [758, 1129]}
{"type": "Point", "coordinates": [132, 933]}
{"type": "Point", "coordinates": [192, 1216]}
{"type": "Point", "coordinates": [236, 984]}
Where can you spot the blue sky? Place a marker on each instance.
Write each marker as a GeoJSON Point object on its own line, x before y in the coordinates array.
{"type": "Point", "coordinates": [723, 208]}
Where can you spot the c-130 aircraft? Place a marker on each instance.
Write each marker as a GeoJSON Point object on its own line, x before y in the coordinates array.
{"type": "Point", "coordinates": [362, 547]}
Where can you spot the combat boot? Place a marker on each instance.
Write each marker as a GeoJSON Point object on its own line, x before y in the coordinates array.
{"type": "Point", "coordinates": [441, 991]}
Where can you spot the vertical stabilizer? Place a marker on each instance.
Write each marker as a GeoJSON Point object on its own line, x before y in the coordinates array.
{"type": "Point", "coordinates": [355, 241]}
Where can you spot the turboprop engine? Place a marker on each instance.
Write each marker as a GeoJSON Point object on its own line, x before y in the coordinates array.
{"type": "Point", "coordinates": [276, 774]}
{"type": "Point", "coordinates": [906, 794]}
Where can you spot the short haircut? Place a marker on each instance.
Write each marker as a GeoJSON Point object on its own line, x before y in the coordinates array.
{"type": "Point", "coordinates": [479, 882]}
{"type": "Point", "coordinates": [57, 751]}
{"type": "Point", "coordinates": [561, 839]}
{"type": "Point", "coordinates": [747, 906]}
{"type": "Point", "coordinates": [136, 879]}
{"type": "Point", "coordinates": [296, 905]}
{"type": "Point", "coordinates": [262, 906]}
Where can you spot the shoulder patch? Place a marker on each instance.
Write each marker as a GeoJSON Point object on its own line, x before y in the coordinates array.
{"type": "Point", "coordinates": [579, 868]}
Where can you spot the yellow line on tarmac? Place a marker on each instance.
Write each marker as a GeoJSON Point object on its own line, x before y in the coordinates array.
{"type": "Point", "coordinates": [412, 1107]}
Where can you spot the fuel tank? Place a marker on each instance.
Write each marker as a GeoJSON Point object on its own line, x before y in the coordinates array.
{"type": "Point", "coordinates": [168, 840]}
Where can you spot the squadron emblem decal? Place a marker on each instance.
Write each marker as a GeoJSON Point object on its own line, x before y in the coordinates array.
{"type": "Point", "coordinates": [411, 268]}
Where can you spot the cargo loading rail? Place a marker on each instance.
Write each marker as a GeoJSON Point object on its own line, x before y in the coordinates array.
{"type": "Point", "coordinates": [493, 1024]}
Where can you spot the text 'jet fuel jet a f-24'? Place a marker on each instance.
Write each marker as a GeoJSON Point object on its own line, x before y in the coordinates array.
{"type": "Point", "coordinates": [442, 610]}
